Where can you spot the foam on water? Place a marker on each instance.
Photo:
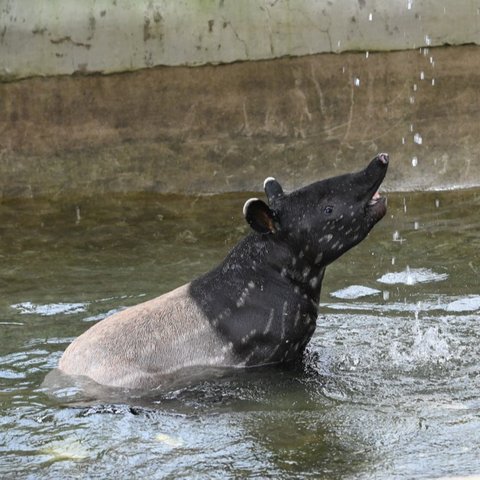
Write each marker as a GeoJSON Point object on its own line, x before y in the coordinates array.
{"type": "Point", "coordinates": [466, 304]}
{"type": "Point", "coordinates": [433, 303]}
{"type": "Point", "coordinates": [50, 308]}
{"type": "Point", "coordinates": [355, 291]}
{"type": "Point", "coordinates": [412, 276]}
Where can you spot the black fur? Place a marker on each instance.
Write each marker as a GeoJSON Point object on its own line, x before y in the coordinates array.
{"type": "Point", "coordinates": [263, 297]}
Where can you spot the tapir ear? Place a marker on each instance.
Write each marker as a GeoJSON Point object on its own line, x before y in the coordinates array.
{"type": "Point", "coordinates": [273, 190]}
{"type": "Point", "coordinates": [260, 216]}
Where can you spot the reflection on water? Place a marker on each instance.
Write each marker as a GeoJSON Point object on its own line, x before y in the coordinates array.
{"type": "Point", "coordinates": [390, 387]}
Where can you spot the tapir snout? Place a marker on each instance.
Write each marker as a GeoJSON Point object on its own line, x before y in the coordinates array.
{"type": "Point", "coordinates": [258, 307]}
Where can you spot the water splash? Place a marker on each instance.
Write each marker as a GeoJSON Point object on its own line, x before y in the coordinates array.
{"type": "Point", "coordinates": [396, 237]}
{"type": "Point", "coordinates": [422, 347]}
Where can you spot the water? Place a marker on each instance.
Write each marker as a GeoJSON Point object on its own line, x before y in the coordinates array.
{"type": "Point", "coordinates": [390, 387]}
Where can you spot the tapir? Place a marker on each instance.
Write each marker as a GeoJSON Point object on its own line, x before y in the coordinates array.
{"type": "Point", "coordinates": [258, 307]}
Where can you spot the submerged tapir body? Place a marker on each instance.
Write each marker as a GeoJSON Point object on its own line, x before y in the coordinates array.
{"type": "Point", "coordinates": [258, 307]}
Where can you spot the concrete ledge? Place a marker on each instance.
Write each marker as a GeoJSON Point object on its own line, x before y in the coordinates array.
{"type": "Point", "coordinates": [57, 37]}
{"type": "Point", "coordinates": [226, 128]}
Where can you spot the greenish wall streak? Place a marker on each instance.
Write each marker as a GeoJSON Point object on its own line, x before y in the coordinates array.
{"type": "Point", "coordinates": [58, 37]}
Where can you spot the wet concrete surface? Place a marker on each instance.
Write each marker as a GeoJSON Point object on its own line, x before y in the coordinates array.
{"type": "Point", "coordinates": [225, 128]}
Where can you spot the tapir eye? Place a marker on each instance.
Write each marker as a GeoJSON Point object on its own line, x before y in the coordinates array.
{"type": "Point", "coordinates": [328, 210]}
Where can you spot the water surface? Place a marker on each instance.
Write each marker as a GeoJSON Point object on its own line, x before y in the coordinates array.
{"type": "Point", "coordinates": [390, 387]}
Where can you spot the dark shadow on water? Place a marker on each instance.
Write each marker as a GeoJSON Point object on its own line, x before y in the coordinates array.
{"type": "Point", "coordinates": [194, 387]}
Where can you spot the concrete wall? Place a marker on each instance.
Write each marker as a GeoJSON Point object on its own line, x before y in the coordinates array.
{"type": "Point", "coordinates": [174, 128]}
{"type": "Point", "coordinates": [66, 36]}
{"type": "Point", "coordinates": [224, 128]}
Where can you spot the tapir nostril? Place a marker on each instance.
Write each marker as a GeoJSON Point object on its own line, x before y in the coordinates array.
{"type": "Point", "coordinates": [383, 157]}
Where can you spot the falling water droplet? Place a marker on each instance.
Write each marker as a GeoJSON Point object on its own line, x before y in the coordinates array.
{"type": "Point", "coordinates": [370, 17]}
{"type": "Point", "coordinates": [367, 54]}
{"type": "Point", "coordinates": [433, 82]}
{"type": "Point", "coordinates": [414, 87]}
{"type": "Point", "coordinates": [412, 100]}
{"type": "Point", "coordinates": [393, 260]}
{"type": "Point", "coordinates": [437, 202]}
{"type": "Point", "coordinates": [415, 225]}
{"type": "Point", "coordinates": [357, 82]}
{"type": "Point", "coordinates": [414, 161]}
{"type": "Point", "coordinates": [78, 216]}
{"type": "Point", "coordinates": [428, 40]}
{"type": "Point", "coordinates": [422, 75]}
{"type": "Point", "coordinates": [403, 140]}
{"type": "Point", "coordinates": [417, 138]}
{"type": "Point", "coordinates": [409, 4]}
{"type": "Point", "coordinates": [386, 294]}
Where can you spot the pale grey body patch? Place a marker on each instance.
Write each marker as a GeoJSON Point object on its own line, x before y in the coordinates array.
{"type": "Point", "coordinates": [134, 348]}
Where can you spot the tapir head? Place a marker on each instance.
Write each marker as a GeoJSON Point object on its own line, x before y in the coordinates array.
{"type": "Point", "coordinates": [325, 219]}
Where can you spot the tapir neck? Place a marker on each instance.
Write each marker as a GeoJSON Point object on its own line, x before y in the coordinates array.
{"type": "Point", "coordinates": [261, 286]}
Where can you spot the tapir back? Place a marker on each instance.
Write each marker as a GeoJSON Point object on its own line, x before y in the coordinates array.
{"type": "Point", "coordinates": [134, 348]}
